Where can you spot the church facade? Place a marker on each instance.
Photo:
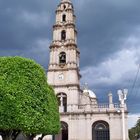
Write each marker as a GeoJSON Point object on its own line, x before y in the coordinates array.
{"type": "Point", "coordinates": [82, 116]}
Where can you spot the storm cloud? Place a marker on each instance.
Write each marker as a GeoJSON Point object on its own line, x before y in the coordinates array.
{"type": "Point", "coordinates": [108, 39]}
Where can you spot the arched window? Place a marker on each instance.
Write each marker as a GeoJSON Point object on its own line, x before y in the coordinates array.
{"type": "Point", "coordinates": [62, 58]}
{"type": "Point", "coordinates": [64, 6]}
{"type": "Point", "coordinates": [100, 131]}
{"type": "Point", "coordinates": [64, 18]}
{"type": "Point", "coordinates": [100, 126]}
{"type": "Point", "coordinates": [63, 35]}
{"type": "Point", "coordinates": [62, 101]}
{"type": "Point", "coordinates": [63, 135]}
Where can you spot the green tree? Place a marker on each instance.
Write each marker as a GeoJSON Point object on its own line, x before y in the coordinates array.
{"type": "Point", "coordinates": [134, 133]}
{"type": "Point", "coordinates": [27, 103]}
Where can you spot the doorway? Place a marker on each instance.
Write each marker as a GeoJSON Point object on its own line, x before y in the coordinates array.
{"type": "Point", "coordinates": [63, 135]}
{"type": "Point", "coordinates": [100, 131]}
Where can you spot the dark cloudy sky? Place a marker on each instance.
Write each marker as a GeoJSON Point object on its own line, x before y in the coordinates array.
{"type": "Point", "coordinates": [108, 38]}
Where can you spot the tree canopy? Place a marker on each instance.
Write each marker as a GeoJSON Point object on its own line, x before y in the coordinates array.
{"type": "Point", "coordinates": [134, 133]}
{"type": "Point", "coordinates": [27, 102]}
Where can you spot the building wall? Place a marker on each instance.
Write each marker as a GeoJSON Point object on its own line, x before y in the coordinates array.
{"type": "Point", "coordinates": [80, 125]}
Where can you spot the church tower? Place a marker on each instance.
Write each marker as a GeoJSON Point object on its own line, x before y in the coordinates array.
{"type": "Point", "coordinates": [82, 116]}
{"type": "Point", "coordinates": [63, 71]}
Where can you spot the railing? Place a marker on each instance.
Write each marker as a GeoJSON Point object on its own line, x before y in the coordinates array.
{"type": "Point", "coordinates": [94, 107]}
{"type": "Point", "coordinates": [98, 108]}
{"type": "Point", "coordinates": [103, 105]}
{"type": "Point", "coordinates": [91, 108]}
{"type": "Point", "coordinates": [117, 105]}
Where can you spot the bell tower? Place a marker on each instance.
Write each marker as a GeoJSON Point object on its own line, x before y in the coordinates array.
{"type": "Point", "coordinates": [63, 72]}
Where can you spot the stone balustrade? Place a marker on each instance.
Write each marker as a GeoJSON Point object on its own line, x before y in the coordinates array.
{"type": "Point", "coordinates": [98, 108]}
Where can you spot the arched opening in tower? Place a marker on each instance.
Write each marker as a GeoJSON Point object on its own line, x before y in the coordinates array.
{"type": "Point", "coordinates": [62, 58]}
{"type": "Point", "coordinates": [63, 35]}
{"type": "Point", "coordinates": [64, 18]}
{"type": "Point", "coordinates": [64, 6]}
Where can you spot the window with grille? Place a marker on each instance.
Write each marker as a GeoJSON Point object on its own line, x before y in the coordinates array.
{"type": "Point", "coordinates": [100, 131]}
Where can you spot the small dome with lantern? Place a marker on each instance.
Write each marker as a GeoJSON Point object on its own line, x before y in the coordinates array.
{"type": "Point", "coordinates": [89, 92]}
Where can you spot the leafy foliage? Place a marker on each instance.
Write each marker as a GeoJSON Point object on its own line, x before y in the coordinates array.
{"type": "Point", "coordinates": [27, 102]}
{"type": "Point", "coordinates": [134, 133]}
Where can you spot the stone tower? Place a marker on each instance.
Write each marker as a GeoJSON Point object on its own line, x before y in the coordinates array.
{"type": "Point", "coordinates": [63, 71]}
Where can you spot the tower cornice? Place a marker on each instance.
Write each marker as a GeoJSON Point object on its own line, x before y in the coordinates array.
{"type": "Point", "coordinates": [69, 45]}
{"type": "Point", "coordinates": [66, 10]}
{"type": "Point", "coordinates": [68, 24]}
{"type": "Point", "coordinates": [67, 85]}
{"type": "Point", "coordinates": [63, 69]}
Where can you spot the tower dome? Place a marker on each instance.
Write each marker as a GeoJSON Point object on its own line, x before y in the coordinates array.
{"type": "Point", "coordinates": [90, 93]}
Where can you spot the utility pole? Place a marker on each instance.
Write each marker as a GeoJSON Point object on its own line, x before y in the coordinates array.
{"type": "Point", "coordinates": [122, 97]}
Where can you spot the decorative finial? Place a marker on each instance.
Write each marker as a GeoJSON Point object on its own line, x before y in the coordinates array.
{"type": "Point", "coordinates": [85, 86]}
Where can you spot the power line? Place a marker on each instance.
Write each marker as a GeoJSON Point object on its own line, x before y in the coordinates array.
{"type": "Point", "coordinates": [137, 91]}
{"type": "Point", "coordinates": [134, 83]}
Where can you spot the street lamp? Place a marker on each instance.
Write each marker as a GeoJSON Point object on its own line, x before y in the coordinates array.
{"type": "Point", "coordinates": [122, 97]}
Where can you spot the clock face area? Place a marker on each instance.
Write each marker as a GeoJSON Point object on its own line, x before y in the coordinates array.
{"type": "Point", "coordinates": [61, 76]}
